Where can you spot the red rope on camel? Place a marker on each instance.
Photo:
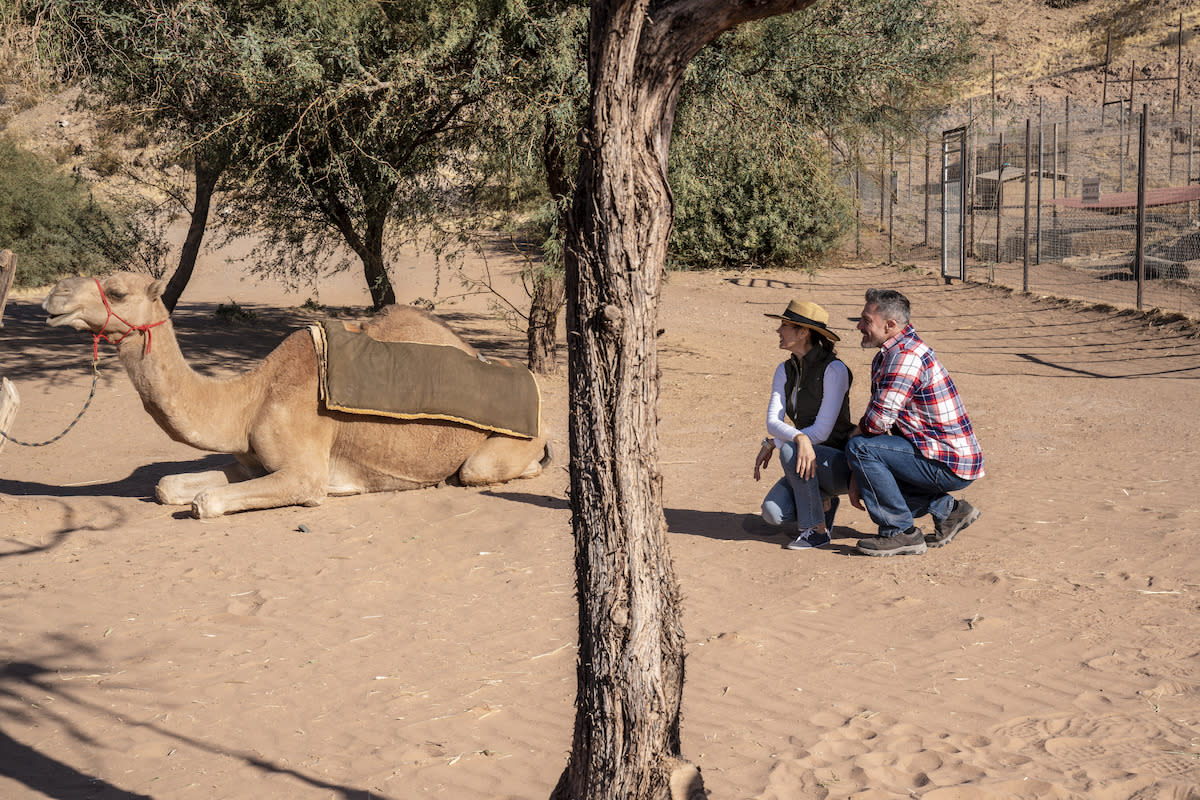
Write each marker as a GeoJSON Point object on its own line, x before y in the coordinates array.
{"type": "Point", "coordinates": [96, 337]}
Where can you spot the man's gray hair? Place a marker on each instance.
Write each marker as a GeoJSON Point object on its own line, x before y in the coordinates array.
{"type": "Point", "coordinates": [890, 304]}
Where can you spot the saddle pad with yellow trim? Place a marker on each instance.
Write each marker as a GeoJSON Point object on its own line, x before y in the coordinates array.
{"type": "Point", "coordinates": [412, 380]}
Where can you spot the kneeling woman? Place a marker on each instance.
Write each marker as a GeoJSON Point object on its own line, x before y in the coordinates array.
{"type": "Point", "coordinates": [808, 419]}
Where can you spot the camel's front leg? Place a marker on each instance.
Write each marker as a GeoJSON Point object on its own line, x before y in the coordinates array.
{"type": "Point", "coordinates": [503, 458]}
{"type": "Point", "coordinates": [287, 487]}
{"type": "Point", "coordinates": [180, 490]}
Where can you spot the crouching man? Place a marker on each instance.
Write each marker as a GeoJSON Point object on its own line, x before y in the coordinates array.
{"type": "Point", "coordinates": [915, 444]}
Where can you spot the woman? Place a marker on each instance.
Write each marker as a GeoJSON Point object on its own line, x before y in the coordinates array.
{"type": "Point", "coordinates": [808, 419]}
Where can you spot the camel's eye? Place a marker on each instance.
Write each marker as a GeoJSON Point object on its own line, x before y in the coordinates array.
{"type": "Point", "coordinates": [116, 294]}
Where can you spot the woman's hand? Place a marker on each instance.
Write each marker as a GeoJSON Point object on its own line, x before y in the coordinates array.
{"type": "Point", "coordinates": [806, 457]}
{"type": "Point", "coordinates": [763, 458]}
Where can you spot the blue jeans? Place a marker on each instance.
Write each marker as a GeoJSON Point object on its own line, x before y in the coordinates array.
{"type": "Point", "coordinates": [898, 484]}
{"type": "Point", "coordinates": [793, 498]}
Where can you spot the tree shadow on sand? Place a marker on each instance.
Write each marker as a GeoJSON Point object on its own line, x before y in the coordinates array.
{"type": "Point", "coordinates": [24, 687]}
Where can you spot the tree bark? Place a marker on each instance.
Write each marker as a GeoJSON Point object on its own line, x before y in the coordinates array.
{"type": "Point", "coordinates": [542, 335]}
{"type": "Point", "coordinates": [374, 269]}
{"type": "Point", "coordinates": [208, 172]}
{"type": "Point", "coordinates": [549, 287]}
{"type": "Point", "coordinates": [631, 645]}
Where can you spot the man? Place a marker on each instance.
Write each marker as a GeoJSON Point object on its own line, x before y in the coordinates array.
{"type": "Point", "coordinates": [915, 443]}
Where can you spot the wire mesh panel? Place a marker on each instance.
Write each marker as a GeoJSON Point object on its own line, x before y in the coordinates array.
{"type": "Point", "coordinates": [1082, 169]}
{"type": "Point", "coordinates": [953, 207]}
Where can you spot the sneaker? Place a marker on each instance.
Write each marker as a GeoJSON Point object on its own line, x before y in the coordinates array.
{"type": "Point", "coordinates": [944, 530]}
{"type": "Point", "coordinates": [910, 543]}
{"type": "Point", "coordinates": [810, 538]}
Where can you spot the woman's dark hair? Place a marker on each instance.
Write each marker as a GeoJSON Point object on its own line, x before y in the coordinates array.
{"type": "Point", "coordinates": [821, 340]}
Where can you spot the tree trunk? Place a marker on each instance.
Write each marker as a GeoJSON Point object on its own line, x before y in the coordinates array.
{"type": "Point", "coordinates": [631, 645]}
{"type": "Point", "coordinates": [548, 284]}
{"type": "Point", "coordinates": [542, 335]}
{"type": "Point", "coordinates": [374, 270]}
{"type": "Point", "coordinates": [208, 172]}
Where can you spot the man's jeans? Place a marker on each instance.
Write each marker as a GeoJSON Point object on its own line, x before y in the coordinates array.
{"type": "Point", "coordinates": [897, 483]}
{"type": "Point", "coordinates": [793, 498]}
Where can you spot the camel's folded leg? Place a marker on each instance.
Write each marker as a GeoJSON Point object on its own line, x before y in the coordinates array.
{"type": "Point", "coordinates": [276, 489]}
{"type": "Point", "coordinates": [503, 458]}
{"type": "Point", "coordinates": [180, 490]}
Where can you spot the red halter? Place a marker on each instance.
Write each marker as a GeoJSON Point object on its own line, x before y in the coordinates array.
{"type": "Point", "coordinates": [96, 337]}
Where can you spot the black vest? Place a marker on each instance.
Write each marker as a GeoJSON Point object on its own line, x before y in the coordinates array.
{"type": "Point", "coordinates": [805, 388]}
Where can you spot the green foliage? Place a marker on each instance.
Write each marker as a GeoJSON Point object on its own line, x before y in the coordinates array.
{"type": "Point", "coordinates": [771, 113]}
{"type": "Point", "coordinates": [770, 205]}
{"type": "Point", "coordinates": [52, 221]}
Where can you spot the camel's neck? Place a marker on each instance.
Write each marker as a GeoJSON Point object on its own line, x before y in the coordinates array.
{"type": "Point", "coordinates": [204, 412]}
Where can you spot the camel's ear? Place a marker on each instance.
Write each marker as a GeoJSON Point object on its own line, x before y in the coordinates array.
{"type": "Point", "coordinates": [155, 290]}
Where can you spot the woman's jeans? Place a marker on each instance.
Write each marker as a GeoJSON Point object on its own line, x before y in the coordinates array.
{"type": "Point", "coordinates": [793, 498]}
{"type": "Point", "coordinates": [898, 484]}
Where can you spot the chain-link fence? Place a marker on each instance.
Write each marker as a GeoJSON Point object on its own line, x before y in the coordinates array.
{"type": "Point", "coordinates": [1082, 190]}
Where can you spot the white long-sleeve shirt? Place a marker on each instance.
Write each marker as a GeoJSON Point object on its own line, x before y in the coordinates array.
{"type": "Point", "coordinates": [837, 383]}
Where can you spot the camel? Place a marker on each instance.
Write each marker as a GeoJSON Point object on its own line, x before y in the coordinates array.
{"type": "Point", "coordinates": [289, 448]}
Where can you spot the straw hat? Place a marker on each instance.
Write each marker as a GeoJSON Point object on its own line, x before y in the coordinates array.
{"type": "Point", "coordinates": [807, 315]}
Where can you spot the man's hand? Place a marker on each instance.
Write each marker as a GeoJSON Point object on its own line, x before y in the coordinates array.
{"type": "Point", "coordinates": [855, 494]}
{"type": "Point", "coordinates": [806, 457]}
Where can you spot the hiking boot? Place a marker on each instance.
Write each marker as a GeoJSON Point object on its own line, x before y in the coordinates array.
{"type": "Point", "coordinates": [809, 539]}
{"type": "Point", "coordinates": [909, 543]}
{"type": "Point", "coordinates": [944, 530]}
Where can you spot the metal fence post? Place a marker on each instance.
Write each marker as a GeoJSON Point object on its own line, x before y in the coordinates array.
{"type": "Point", "coordinates": [1140, 255]}
{"type": "Point", "coordinates": [999, 194]}
{"type": "Point", "coordinates": [1025, 232]}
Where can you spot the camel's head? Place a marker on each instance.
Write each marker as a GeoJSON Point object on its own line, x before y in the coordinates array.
{"type": "Point", "coordinates": [132, 297]}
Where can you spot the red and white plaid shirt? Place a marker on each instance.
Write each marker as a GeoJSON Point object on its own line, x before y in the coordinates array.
{"type": "Point", "coordinates": [911, 390]}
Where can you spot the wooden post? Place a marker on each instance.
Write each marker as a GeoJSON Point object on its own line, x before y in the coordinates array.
{"type": "Point", "coordinates": [8, 270]}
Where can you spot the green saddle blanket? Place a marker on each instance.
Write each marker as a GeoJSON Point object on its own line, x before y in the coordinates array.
{"type": "Point", "coordinates": [412, 380]}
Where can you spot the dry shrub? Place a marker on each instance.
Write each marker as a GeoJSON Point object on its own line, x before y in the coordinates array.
{"type": "Point", "coordinates": [24, 79]}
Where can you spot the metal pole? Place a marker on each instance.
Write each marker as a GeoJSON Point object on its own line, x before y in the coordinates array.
{"type": "Point", "coordinates": [994, 92]}
{"type": "Point", "coordinates": [1025, 232]}
{"type": "Point", "coordinates": [999, 194]}
{"type": "Point", "coordinates": [1104, 91]}
{"type": "Point", "coordinates": [973, 169]}
{"type": "Point", "coordinates": [1067, 139]}
{"type": "Point", "coordinates": [882, 188]}
{"type": "Point", "coordinates": [1191, 147]}
{"type": "Point", "coordinates": [1121, 151]}
{"type": "Point", "coordinates": [891, 202]}
{"type": "Point", "coordinates": [1040, 162]}
{"type": "Point", "coordinates": [928, 145]}
{"type": "Point", "coordinates": [857, 209]}
{"type": "Point", "coordinates": [1139, 258]}
{"type": "Point", "coordinates": [1178, 67]}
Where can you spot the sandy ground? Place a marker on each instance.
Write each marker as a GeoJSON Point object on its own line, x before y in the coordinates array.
{"type": "Point", "coordinates": [423, 643]}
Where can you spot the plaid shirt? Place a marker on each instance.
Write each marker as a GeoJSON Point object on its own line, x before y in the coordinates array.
{"type": "Point", "coordinates": [912, 391]}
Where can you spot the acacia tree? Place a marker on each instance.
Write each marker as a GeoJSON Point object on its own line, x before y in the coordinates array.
{"type": "Point", "coordinates": [626, 740]}
{"type": "Point", "coordinates": [750, 169]}
{"type": "Point", "coordinates": [167, 64]}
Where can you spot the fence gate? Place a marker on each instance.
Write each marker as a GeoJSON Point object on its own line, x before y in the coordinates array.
{"type": "Point", "coordinates": [954, 204]}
